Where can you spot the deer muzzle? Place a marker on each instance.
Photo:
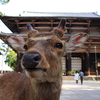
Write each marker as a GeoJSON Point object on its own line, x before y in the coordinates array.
{"type": "Point", "coordinates": [31, 61]}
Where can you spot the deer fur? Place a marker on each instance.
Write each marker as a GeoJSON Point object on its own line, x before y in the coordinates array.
{"type": "Point", "coordinates": [43, 76]}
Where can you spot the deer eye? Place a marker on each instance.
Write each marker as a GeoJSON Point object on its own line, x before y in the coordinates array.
{"type": "Point", "coordinates": [25, 47]}
{"type": "Point", "coordinates": [59, 45]}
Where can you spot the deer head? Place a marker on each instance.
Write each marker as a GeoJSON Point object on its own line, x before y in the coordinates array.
{"type": "Point", "coordinates": [42, 52]}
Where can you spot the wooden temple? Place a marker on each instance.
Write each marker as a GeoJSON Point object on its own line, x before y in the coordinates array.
{"type": "Point", "coordinates": [76, 22]}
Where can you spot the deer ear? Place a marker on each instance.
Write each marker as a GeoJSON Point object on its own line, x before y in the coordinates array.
{"type": "Point", "coordinates": [31, 31]}
{"type": "Point", "coordinates": [75, 42]}
{"type": "Point", "coordinates": [59, 31]}
{"type": "Point", "coordinates": [16, 42]}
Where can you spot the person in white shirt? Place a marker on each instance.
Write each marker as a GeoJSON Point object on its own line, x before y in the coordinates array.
{"type": "Point", "coordinates": [76, 77]}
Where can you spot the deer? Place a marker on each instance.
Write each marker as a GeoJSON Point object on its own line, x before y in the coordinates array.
{"type": "Point", "coordinates": [41, 63]}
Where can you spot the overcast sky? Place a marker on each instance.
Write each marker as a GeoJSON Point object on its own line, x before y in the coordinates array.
{"type": "Point", "coordinates": [14, 7]}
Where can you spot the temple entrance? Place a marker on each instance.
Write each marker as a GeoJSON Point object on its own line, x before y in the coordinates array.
{"type": "Point", "coordinates": [76, 64]}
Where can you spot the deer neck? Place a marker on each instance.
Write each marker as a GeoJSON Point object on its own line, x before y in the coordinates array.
{"type": "Point", "coordinates": [47, 90]}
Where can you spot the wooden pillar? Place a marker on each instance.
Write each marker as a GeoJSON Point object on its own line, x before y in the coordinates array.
{"type": "Point", "coordinates": [68, 64]}
{"type": "Point", "coordinates": [87, 66]}
{"type": "Point", "coordinates": [83, 62]}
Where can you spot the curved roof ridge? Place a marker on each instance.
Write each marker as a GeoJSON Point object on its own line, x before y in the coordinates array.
{"type": "Point", "coordinates": [96, 14]}
{"type": "Point", "coordinates": [62, 12]}
{"type": "Point", "coordinates": [59, 14]}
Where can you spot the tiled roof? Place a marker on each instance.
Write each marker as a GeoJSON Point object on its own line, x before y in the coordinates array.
{"type": "Point", "coordinates": [50, 14]}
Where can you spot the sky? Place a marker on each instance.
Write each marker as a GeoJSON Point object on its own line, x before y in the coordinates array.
{"type": "Point", "coordinates": [4, 28]}
{"type": "Point", "coordinates": [16, 7]}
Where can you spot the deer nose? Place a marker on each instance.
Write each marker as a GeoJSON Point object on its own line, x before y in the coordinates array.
{"type": "Point", "coordinates": [31, 60]}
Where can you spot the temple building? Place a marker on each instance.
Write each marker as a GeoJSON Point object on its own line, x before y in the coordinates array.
{"type": "Point", "coordinates": [87, 58]}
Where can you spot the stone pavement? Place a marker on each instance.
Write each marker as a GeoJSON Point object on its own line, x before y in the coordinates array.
{"type": "Point", "coordinates": [90, 90]}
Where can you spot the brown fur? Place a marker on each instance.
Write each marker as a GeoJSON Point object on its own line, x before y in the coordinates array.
{"type": "Point", "coordinates": [15, 86]}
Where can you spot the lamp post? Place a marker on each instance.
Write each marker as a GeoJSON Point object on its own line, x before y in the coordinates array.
{"type": "Point", "coordinates": [96, 61]}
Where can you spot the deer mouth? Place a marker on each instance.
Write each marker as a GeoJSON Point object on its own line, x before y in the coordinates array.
{"type": "Point", "coordinates": [36, 73]}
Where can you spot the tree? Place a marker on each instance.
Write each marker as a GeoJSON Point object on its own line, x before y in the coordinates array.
{"type": "Point", "coordinates": [4, 1]}
{"type": "Point", "coordinates": [11, 59]}
{"type": "Point", "coordinates": [1, 14]}
{"type": "Point", "coordinates": [11, 56]}
{"type": "Point", "coordinates": [4, 48]}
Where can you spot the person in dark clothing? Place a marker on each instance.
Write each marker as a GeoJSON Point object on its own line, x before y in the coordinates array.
{"type": "Point", "coordinates": [81, 74]}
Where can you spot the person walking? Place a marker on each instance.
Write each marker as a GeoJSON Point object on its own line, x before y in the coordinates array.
{"type": "Point", "coordinates": [76, 77]}
{"type": "Point", "coordinates": [81, 74]}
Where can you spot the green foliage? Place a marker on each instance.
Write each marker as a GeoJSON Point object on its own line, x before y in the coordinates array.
{"type": "Point", "coordinates": [4, 1]}
{"type": "Point", "coordinates": [11, 55]}
{"type": "Point", "coordinates": [4, 48]}
{"type": "Point", "coordinates": [11, 59]}
{"type": "Point", "coordinates": [63, 71]}
{"type": "Point", "coordinates": [1, 14]}
{"type": "Point", "coordinates": [74, 71]}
